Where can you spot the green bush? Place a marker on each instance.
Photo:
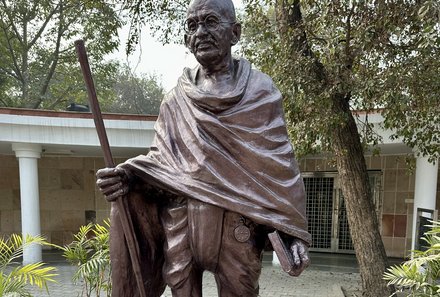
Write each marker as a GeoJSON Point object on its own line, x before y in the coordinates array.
{"type": "Point", "coordinates": [15, 277]}
{"type": "Point", "coordinates": [90, 253]}
{"type": "Point", "coordinates": [420, 275]}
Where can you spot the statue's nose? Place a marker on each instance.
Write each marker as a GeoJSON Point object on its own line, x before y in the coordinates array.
{"type": "Point", "coordinates": [201, 29]}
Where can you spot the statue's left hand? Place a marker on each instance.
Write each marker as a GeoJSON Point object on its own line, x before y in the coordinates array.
{"type": "Point", "coordinates": [300, 255]}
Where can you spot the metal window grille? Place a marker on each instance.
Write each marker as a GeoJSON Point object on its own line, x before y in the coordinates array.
{"type": "Point", "coordinates": [319, 205]}
{"type": "Point", "coordinates": [327, 214]}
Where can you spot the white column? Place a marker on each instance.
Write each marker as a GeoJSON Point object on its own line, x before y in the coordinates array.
{"type": "Point", "coordinates": [425, 189]}
{"type": "Point", "coordinates": [28, 155]}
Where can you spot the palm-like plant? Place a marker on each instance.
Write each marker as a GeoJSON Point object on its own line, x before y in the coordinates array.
{"type": "Point", "coordinates": [90, 252]}
{"type": "Point", "coordinates": [14, 277]}
{"type": "Point", "coordinates": [421, 274]}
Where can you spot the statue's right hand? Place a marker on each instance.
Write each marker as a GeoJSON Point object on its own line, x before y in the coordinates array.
{"type": "Point", "coordinates": [112, 182]}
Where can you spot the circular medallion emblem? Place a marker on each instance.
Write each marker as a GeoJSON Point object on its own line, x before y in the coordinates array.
{"type": "Point", "coordinates": [242, 233]}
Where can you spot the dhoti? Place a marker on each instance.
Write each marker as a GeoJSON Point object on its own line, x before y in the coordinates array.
{"type": "Point", "coordinates": [199, 237]}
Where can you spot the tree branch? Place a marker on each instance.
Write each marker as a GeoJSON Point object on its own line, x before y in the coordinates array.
{"type": "Point", "coordinates": [11, 20]}
{"type": "Point", "coordinates": [290, 18]}
{"type": "Point", "coordinates": [349, 58]}
{"type": "Point", "coordinates": [61, 98]}
{"type": "Point", "coordinates": [11, 52]}
{"type": "Point", "coordinates": [8, 72]}
{"type": "Point", "coordinates": [43, 26]}
{"type": "Point", "coordinates": [55, 55]}
{"type": "Point", "coordinates": [3, 102]}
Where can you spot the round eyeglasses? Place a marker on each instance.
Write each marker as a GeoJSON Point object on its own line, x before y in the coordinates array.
{"type": "Point", "coordinates": [211, 23]}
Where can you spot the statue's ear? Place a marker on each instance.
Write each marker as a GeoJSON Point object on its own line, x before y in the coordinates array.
{"type": "Point", "coordinates": [236, 33]}
{"type": "Point", "coordinates": [186, 40]}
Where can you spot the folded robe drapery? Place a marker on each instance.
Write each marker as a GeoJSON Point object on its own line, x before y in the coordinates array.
{"type": "Point", "coordinates": [230, 150]}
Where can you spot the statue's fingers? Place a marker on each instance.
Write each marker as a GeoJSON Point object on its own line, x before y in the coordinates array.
{"type": "Point", "coordinates": [305, 260]}
{"type": "Point", "coordinates": [112, 197]}
{"type": "Point", "coordinates": [295, 255]}
{"type": "Point", "coordinates": [116, 194]}
{"type": "Point", "coordinates": [108, 190]}
{"type": "Point", "coordinates": [304, 255]}
{"type": "Point", "coordinates": [103, 183]}
{"type": "Point", "coordinates": [121, 172]}
{"type": "Point", "coordinates": [107, 172]}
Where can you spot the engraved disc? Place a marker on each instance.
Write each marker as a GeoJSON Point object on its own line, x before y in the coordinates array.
{"type": "Point", "coordinates": [242, 233]}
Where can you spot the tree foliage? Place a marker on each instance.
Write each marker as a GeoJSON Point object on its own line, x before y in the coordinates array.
{"type": "Point", "coordinates": [38, 60]}
{"type": "Point", "coordinates": [380, 54]}
{"type": "Point", "coordinates": [163, 17]}
{"type": "Point", "coordinates": [137, 94]}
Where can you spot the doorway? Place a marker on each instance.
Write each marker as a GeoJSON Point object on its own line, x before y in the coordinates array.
{"type": "Point", "coordinates": [326, 212]}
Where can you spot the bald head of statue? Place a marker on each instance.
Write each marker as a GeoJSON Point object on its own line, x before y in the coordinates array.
{"type": "Point", "coordinates": [224, 7]}
{"type": "Point", "coordinates": [211, 29]}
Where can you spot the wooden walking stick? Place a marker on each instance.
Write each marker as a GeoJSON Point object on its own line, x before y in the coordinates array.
{"type": "Point", "coordinates": [127, 224]}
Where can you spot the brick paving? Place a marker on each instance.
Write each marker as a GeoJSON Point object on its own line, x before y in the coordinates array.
{"type": "Point", "coordinates": [314, 282]}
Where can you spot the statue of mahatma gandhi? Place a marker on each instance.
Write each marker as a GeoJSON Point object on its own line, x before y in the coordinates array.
{"type": "Point", "coordinates": [219, 177]}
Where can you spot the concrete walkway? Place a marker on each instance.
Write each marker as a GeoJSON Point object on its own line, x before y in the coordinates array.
{"type": "Point", "coordinates": [324, 278]}
{"type": "Point", "coordinates": [273, 283]}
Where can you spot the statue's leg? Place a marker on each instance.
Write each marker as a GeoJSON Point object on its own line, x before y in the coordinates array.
{"type": "Point", "coordinates": [181, 273]}
{"type": "Point", "coordinates": [239, 265]}
{"type": "Point", "coordinates": [191, 286]}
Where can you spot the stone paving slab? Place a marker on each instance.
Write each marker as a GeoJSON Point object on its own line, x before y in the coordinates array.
{"type": "Point", "coordinates": [273, 283]}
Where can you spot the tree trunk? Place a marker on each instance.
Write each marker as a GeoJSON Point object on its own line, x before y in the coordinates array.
{"type": "Point", "coordinates": [347, 147]}
{"type": "Point", "coordinates": [362, 218]}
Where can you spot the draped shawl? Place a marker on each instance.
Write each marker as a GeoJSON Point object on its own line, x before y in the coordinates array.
{"type": "Point", "coordinates": [230, 150]}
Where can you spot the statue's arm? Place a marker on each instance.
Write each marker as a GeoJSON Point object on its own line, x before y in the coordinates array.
{"type": "Point", "coordinates": [118, 181]}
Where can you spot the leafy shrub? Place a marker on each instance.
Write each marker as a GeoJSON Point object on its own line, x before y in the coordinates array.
{"type": "Point", "coordinates": [90, 252]}
{"type": "Point", "coordinates": [421, 274]}
{"type": "Point", "coordinates": [15, 277]}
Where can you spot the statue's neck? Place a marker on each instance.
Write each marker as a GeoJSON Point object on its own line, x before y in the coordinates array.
{"type": "Point", "coordinates": [218, 79]}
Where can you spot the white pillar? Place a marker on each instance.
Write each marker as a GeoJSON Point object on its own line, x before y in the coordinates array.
{"type": "Point", "coordinates": [425, 190]}
{"type": "Point", "coordinates": [28, 155]}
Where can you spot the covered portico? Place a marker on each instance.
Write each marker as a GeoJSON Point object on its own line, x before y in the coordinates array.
{"type": "Point", "coordinates": [31, 134]}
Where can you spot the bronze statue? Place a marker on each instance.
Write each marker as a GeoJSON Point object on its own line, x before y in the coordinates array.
{"type": "Point", "coordinates": [219, 177]}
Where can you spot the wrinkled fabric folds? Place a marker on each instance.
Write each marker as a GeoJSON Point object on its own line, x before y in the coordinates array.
{"type": "Point", "coordinates": [230, 150]}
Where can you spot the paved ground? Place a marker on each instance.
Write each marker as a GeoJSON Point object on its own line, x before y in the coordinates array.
{"type": "Point", "coordinates": [323, 279]}
{"type": "Point", "coordinates": [273, 283]}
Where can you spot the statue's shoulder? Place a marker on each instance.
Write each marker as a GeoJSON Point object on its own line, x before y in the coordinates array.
{"type": "Point", "coordinates": [258, 79]}
{"type": "Point", "coordinates": [182, 80]}
{"type": "Point", "coordinates": [260, 82]}
{"type": "Point", "coordinates": [185, 82]}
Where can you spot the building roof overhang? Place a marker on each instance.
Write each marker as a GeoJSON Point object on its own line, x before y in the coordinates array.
{"type": "Point", "coordinates": [73, 133]}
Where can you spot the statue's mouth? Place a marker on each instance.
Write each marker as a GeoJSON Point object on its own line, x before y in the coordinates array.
{"type": "Point", "coordinates": [204, 45]}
